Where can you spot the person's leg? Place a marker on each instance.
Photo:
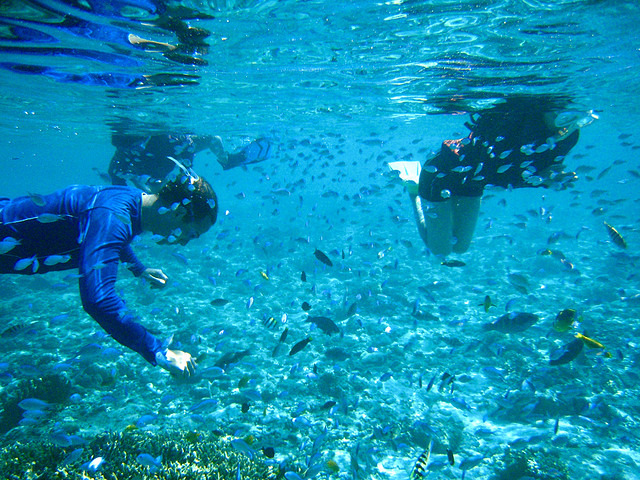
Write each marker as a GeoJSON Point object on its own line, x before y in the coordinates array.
{"type": "Point", "coordinates": [464, 217]}
{"type": "Point", "coordinates": [439, 225]}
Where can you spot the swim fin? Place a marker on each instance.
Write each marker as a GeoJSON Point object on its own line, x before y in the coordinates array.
{"type": "Point", "coordinates": [408, 171]}
{"type": "Point", "coordinates": [257, 151]}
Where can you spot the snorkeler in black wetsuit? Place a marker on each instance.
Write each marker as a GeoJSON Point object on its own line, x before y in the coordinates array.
{"type": "Point", "coordinates": [147, 161]}
{"type": "Point", "coordinates": [520, 142]}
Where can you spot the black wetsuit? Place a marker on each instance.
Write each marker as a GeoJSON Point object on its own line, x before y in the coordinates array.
{"type": "Point", "coordinates": [464, 167]}
{"type": "Point", "coordinates": [143, 161]}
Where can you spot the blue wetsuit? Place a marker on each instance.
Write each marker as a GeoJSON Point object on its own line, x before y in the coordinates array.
{"type": "Point", "coordinates": [84, 227]}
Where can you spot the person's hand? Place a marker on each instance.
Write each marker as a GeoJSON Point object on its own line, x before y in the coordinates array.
{"type": "Point", "coordinates": [155, 277]}
{"type": "Point", "coordinates": [177, 363]}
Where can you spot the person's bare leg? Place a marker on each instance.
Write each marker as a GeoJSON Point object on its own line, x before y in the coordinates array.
{"type": "Point", "coordinates": [465, 215]}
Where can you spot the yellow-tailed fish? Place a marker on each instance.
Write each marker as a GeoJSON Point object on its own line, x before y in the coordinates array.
{"type": "Point", "coordinates": [589, 342]}
{"type": "Point", "coordinates": [264, 275]}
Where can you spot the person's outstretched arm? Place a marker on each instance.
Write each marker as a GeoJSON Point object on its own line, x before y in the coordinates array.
{"type": "Point", "coordinates": [104, 238]}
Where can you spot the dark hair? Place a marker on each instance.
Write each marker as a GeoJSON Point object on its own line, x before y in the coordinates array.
{"type": "Point", "coordinates": [195, 194]}
{"type": "Point", "coordinates": [518, 119]}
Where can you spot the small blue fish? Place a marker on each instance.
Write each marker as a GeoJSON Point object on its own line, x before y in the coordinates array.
{"type": "Point", "coordinates": [56, 259]}
{"type": "Point", "coordinates": [145, 420]}
{"type": "Point", "coordinates": [25, 263]}
{"type": "Point", "coordinates": [37, 199]}
{"type": "Point", "coordinates": [182, 258]}
{"type": "Point", "coordinates": [61, 439]}
{"type": "Point", "coordinates": [72, 457]}
{"type": "Point", "coordinates": [242, 446]}
{"type": "Point", "coordinates": [292, 476]}
{"type": "Point", "coordinates": [147, 460]}
{"type": "Point", "coordinates": [204, 404]}
{"type": "Point", "coordinates": [7, 244]}
{"type": "Point", "coordinates": [48, 217]}
{"type": "Point", "coordinates": [33, 404]}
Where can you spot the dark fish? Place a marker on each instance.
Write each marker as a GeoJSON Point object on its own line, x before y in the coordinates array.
{"type": "Point", "coordinates": [325, 324]}
{"type": "Point", "coordinates": [519, 282]}
{"type": "Point", "coordinates": [446, 379]}
{"type": "Point", "coordinates": [231, 357]}
{"type": "Point", "coordinates": [420, 470]}
{"type": "Point", "coordinates": [245, 407]}
{"type": "Point", "coordinates": [566, 353]}
{"type": "Point", "coordinates": [513, 322]}
{"type": "Point", "coordinates": [219, 302]}
{"type": "Point", "coordinates": [305, 306]}
{"type": "Point", "coordinates": [452, 460]}
{"type": "Point", "coordinates": [269, 452]}
{"type": "Point", "coordinates": [615, 236]}
{"type": "Point", "coordinates": [453, 263]}
{"type": "Point", "coordinates": [328, 405]}
{"type": "Point", "coordinates": [352, 309]}
{"type": "Point", "coordinates": [323, 258]}
{"type": "Point", "coordinates": [299, 346]}
{"type": "Point", "coordinates": [303, 276]}
{"type": "Point", "coordinates": [431, 382]}
{"type": "Point", "coordinates": [604, 172]}
{"type": "Point", "coordinates": [14, 330]}
{"type": "Point", "coordinates": [283, 336]}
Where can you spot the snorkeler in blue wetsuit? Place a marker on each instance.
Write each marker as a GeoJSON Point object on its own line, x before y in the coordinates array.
{"type": "Point", "coordinates": [145, 161]}
{"type": "Point", "coordinates": [91, 228]}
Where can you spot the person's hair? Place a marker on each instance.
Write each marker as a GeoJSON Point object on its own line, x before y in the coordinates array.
{"type": "Point", "coordinates": [518, 119]}
{"type": "Point", "coordinates": [195, 194]}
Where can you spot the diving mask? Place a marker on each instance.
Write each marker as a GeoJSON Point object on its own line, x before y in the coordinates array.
{"type": "Point", "coordinates": [569, 122]}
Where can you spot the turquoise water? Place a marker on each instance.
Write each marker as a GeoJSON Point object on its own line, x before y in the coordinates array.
{"type": "Point", "coordinates": [343, 89]}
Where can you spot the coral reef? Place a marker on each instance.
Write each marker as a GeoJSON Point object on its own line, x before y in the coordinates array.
{"type": "Point", "coordinates": [54, 389]}
{"type": "Point", "coordinates": [185, 455]}
{"type": "Point", "coordinates": [532, 464]}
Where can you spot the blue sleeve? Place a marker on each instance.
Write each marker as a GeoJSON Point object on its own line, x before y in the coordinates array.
{"type": "Point", "coordinates": [105, 238]}
{"type": "Point", "coordinates": [134, 264]}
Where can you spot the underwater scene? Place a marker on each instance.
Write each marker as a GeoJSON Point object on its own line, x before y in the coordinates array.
{"type": "Point", "coordinates": [420, 259]}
